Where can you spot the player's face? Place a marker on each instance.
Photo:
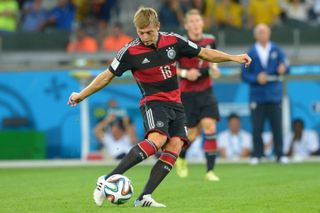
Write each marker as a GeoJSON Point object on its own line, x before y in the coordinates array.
{"type": "Point", "coordinates": [194, 24]}
{"type": "Point", "coordinates": [149, 34]}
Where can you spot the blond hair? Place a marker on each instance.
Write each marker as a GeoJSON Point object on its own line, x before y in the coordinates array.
{"type": "Point", "coordinates": [144, 17]}
{"type": "Point", "coordinates": [190, 13]}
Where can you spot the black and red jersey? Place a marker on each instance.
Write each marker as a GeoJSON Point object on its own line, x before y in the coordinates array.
{"type": "Point", "coordinates": [204, 82]}
{"type": "Point", "coordinates": [154, 68]}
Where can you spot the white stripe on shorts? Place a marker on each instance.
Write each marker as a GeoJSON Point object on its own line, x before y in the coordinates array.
{"type": "Point", "coordinates": [150, 119]}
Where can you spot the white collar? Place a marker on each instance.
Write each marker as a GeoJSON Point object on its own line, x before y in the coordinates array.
{"type": "Point", "coordinates": [263, 53]}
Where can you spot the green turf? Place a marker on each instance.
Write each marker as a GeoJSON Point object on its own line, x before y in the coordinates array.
{"type": "Point", "coordinates": [243, 188]}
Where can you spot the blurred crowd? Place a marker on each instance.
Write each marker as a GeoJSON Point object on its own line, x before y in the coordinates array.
{"type": "Point", "coordinates": [299, 144]}
{"type": "Point", "coordinates": [90, 20]}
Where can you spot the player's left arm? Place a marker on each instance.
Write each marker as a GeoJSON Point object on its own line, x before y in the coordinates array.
{"type": "Point", "coordinates": [216, 56]}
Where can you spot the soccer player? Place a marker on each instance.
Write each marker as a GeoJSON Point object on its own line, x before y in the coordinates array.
{"type": "Point", "coordinates": [152, 60]}
{"type": "Point", "coordinates": [200, 104]}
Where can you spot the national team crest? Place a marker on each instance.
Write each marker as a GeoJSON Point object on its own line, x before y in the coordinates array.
{"type": "Point", "coordinates": [171, 53]}
{"type": "Point", "coordinates": [274, 55]}
{"type": "Point", "coordinates": [159, 124]}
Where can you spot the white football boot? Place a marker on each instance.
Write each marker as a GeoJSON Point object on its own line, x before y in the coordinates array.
{"type": "Point", "coordinates": [147, 201]}
{"type": "Point", "coordinates": [98, 193]}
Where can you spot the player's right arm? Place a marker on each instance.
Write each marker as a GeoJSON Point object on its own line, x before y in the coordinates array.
{"type": "Point", "coordinates": [119, 65]}
{"type": "Point", "coordinates": [102, 80]}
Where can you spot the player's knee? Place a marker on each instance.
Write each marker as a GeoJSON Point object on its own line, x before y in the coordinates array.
{"type": "Point", "coordinates": [157, 138]}
{"type": "Point", "coordinates": [209, 125]}
{"type": "Point", "coordinates": [175, 145]}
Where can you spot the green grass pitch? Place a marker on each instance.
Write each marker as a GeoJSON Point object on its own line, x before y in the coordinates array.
{"type": "Point", "coordinates": [243, 188]}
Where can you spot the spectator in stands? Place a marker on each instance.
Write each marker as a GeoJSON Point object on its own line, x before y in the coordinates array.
{"type": "Point", "coordinates": [82, 10]}
{"type": "Point", "coordinates": [263, 11]}
{"type": "Point", "coordinates": [113, 108]}
{"type": "Point", "coordinates": [301, 143]}
{"type": "Point", "coordinates": [315, 11]}
{"type": "Point", "coordinates": [296, 10]}
{"type": "Point", "coordinates": [9, 10]}
{"type": "Point", "coordinates": [117, 134]}
{"type": "Point", "coordinates": [264, 79]}
{"type": "Point", "coordinates": [82, 43]}
{"type": "Point", "coordinates": [208, 15]}
{"type": "Point", "coordinates": [34, 16]}
{"type": "Point", "coordinates": [234, 143]}
{"type": "Point", "coordinates": [117, 39]}
{"type": "Point", "coordinates": [171, 14]}
{"type": "Point", "coordinates": [229, 13]}
{"type": "Point", "coordinates": [200, 5]}
{"type": "Point", "coordinates": [62, 16]}
{"type": "Point", "coordinates": [120, 133]}
{"type": "Point", "coordinates": [101, 9]}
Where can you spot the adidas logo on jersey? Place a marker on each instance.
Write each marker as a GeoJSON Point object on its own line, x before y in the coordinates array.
{"type": "Point", "coordinates": [145, 61]}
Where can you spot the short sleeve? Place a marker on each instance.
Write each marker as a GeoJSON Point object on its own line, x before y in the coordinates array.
{"type": "Point", "coordinates": [120, 63]}
{"type": "Point", "coordinates": [186, 47]}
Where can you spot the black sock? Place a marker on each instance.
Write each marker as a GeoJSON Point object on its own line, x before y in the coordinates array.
{"type": "Point", "coordinates": [183, 154]}
{"type": "Point", "coordinates": [159, 171]}
{"type": "Point", "coordinates": [211, 159]}
{"type": "Point", "coordinates": [137, 154]}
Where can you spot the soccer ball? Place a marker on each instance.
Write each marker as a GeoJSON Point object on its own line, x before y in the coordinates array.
{"type": "Point", "coordinates": [118, 189]}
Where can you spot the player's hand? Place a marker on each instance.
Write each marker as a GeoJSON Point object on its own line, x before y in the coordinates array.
{"type": "Point", "coordinates": [281, 69]}
{"type": "Point", "coordinates": [243, 59]}
{"type": "Point", "coordinates": [262, 78]}
{"type": "Point", "coordinates": [74, 99]}
{"type": "Point", "coordinates": [193, 74]}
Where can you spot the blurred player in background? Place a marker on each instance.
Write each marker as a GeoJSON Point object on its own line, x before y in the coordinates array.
{"type": "Point", "coordinates": [152, 60]}
{"type": "Point", "coordinates": [197, 97]}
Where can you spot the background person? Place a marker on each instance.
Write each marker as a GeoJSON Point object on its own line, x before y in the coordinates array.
{"type": "Point", "coordinates": [234, 143]}
{"type": "Point", "coordinates": [301, 143]}
{"type": "Point", "coordinates": [269, 63]}
{"type": "Point", "coordinates": [117, 135]}
{"type": "Point", "coordinates": [200, 104]}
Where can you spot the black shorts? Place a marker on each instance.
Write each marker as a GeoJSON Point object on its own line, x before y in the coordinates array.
{"type": "Point", "coordinates": [168, 119]}
{"type": "Point", "coordinates": [200, 105]}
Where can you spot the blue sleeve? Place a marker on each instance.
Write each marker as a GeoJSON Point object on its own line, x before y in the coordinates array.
{"type": "Point", "coordinates": [283, 59]}
{"type": "Point", "coordinates": [54, 13]}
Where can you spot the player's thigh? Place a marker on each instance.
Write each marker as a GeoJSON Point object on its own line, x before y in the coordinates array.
{"type": "Point", "coordinates": [209, 114]}
{"type": "Point", "coordinates": [178, 126]}
{"type": "Point", "coordinates": [156, 124]}
{"type": "Point", "coordinates": [191, 111]}
{"type": "Point", "coordinates": [193, 133]}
